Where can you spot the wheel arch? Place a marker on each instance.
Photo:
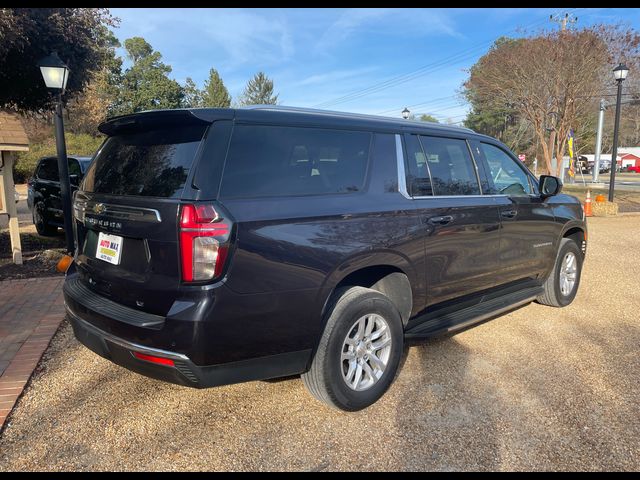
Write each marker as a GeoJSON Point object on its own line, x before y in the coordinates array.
{"type": "Point", "coordinates": [577, 233]}
{"type": "Point", "coordinates": [393, 279]}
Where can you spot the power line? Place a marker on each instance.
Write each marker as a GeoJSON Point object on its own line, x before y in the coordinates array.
{"type": "Point", "coordinates": [430, 68]}
{"type": "Point", "coordinates": [435, 100]}
{"type": "Point", "coordinates": [424, 70]}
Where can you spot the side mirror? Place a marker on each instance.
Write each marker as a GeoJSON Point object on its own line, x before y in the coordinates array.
{"type": "Point", "coordinates": [74, 180]}
{"type": "Point", "coordinates": [549, 186]}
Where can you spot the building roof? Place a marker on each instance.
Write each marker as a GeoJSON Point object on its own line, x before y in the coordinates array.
{"type": "Point", "coordinates": [12, 134]}
{"type": "Point", "coordinates": [632, 150]}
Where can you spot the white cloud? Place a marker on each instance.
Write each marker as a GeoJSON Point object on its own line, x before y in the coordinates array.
{"type": "Point", "coordinates": [250, 38]}
{"type": "Point", "coordinates": [387, 21]}
{"type": "Point", "coordinates": [334, 76]}
{"type": "Point", "coordinates": [239, 36]}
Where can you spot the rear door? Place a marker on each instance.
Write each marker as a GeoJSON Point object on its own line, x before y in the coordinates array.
{"type": "Point", "coordinates": [461, 226]}
{"type": "Point", "coordinates": [528, 230]}
{"type": "Point", "coordinates": [127, 212]}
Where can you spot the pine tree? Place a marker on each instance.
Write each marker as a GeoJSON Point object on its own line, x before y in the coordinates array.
{"type": "Point", "coordinates": [192, 94]}
{"type": "Point", "coordinates": [259, 91]}
{"type": "Point", "coordinates": [215, 94]}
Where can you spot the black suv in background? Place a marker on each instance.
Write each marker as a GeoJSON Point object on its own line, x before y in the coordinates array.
{"type": "Point", "coordinates": [43, 192]}
{"type": "Point", "coordinates": [226, 245]}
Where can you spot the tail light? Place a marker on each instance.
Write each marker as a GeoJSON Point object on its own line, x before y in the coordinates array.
{"type": "Point", "coordinates": [204, 237]}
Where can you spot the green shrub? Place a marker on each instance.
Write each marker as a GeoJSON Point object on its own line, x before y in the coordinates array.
{"type": "Point", "coordinates": [77, 144]}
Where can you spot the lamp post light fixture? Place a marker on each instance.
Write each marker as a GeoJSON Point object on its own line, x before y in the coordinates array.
{"type": "Point", "coordinates": [55, 74]}
{"type": "Point", "coordinates": [620, 74]}
{"type": "Point", "coordinates": [406, 113]}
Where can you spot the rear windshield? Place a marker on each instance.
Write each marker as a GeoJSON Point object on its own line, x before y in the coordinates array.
{"type": "Point", "coordinates": [149, 164]}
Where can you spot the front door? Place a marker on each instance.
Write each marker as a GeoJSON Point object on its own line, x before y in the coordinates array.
{"type": "Point", "coordinates": [528, 233]}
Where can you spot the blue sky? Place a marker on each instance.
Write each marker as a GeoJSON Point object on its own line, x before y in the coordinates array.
{"type": "Point", "coordinates": [359, 60]}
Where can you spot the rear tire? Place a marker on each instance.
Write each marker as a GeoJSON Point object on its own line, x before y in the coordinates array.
{"type": "Point", "coordinates": [561, 286]}
{"type": "Point", "coordinates": [359, 352]}
{"type": "Point", "coordinates": [40, 221]}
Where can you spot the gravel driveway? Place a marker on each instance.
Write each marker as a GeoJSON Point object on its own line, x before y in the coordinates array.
{"type": "Point", "coordinates": [540, 388]}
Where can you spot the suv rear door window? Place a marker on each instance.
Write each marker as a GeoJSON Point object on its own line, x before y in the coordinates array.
{"type": "Point", "coordinates": [451, 166]}
{"type": "Point", "coordinates": [151, 163]}
{"type": "Point", "coordinates": [273, 160]}
{"type": "Point", "coordinates": [418, 180]}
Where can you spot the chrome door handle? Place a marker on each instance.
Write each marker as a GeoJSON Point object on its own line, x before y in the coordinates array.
{"type": "Point", "coordinates": [509, 213]}
{"type": "Point", "coordinates": [442, 220]}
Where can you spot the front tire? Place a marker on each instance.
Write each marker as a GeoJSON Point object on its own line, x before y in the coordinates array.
{"type": "Point", "coordinates": [561, 286]}
{"type": "Point", "coordinates": [359, 351]}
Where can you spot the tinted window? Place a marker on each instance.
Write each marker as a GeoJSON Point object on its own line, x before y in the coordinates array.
{"type": "Point", "coordinates": [152, 163]}
{"type": "Point", "coordinates": [418, 181]}
{"type": "Point", "coordinates": [49, 169]}
{"type": "Point", "coordinates": [272, 161]}
{"type": "Point", "coordinates": [506, 176]}
{"type": "Point", "coordinates": [450, 165]}
{"type": "Point", "coordinates": [74, 167]}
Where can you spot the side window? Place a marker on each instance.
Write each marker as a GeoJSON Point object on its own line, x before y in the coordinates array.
{"type": "Point", "coordinates": [451, 166]}
{"type": "Point", "coordinates": [507, 176]}
{"type": "Point", "coordinates": [74, 167]}
{"type": "Point", "coordinates": [418, 179]}
{"type": "Point", "coordinates": [49, 169]}
{"type": "Point", "coordinates": [272, 161]}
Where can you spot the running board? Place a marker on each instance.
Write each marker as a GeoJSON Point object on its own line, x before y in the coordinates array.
{"type": "Point", "coordinates": [450, 322]}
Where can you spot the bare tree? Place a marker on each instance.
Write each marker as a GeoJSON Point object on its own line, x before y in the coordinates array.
{"type": "Point", "coordinates": [553, 80]}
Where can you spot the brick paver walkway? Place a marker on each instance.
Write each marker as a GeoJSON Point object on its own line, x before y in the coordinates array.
{"type": "Point", "coordinates": [30, 312]}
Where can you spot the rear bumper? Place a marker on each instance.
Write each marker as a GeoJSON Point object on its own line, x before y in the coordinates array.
{"type": "Point", "coordinates": [184, 371]}
{"type": "Point", "coordinates": [121, 352]}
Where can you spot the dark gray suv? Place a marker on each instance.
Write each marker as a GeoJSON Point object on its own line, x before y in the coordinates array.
{"type": "Point", "coordinates": [43, 191]}
{"type": "Point", "coordinates": [225, 245]}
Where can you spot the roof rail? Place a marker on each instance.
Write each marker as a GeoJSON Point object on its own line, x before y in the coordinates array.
{"type": "Point", "coordinates": [315, 111]}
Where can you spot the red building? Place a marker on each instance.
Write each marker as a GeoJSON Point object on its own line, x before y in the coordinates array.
{"type": "Point", "coordinates": [628, 160]}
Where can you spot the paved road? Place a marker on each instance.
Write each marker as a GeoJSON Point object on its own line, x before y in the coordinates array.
{"type": "Point", "coordinates": [24, 214]}
{"type": "Point", "coordinates": [538, 389]}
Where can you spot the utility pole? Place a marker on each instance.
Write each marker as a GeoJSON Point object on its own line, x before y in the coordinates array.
{"type": "Point", "coordinates": [596, 161]}
{"type": "Point", "coordinates": [563, 20]}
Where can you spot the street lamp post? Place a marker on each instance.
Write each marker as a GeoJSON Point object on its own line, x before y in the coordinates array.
{"type": "Point", "coordinates": [620, 74]}
{"type": "Point", "coordinates": [406, 113]}
{"type": "Point", "coordinates": [55, 74]}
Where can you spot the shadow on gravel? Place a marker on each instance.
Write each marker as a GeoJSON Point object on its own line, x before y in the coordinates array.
{"type": "Point", "coordinates": [439, 405]}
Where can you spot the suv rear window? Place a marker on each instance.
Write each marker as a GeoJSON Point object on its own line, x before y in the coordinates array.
{"type": "Point", "coordinates": [149, 164]}
{"type": "Point", "coordinates": [272, 161]}
{"type": "Point", "coordinates": [48, 169]}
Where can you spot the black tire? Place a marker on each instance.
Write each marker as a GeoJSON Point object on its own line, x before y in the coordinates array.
{"type": "Point", "coordinates": [553, 295]}
{"type": "Point", "coordinates": [40, 221]}
{"type": "Point", "coordinates": [325, 378]}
